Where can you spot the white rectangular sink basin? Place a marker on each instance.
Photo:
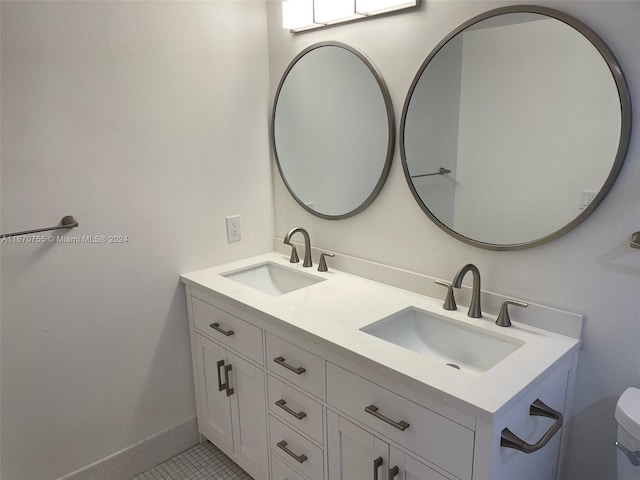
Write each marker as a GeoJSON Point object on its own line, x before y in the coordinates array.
{"type": "Point", "coordinates": [272, 278]}
{"type": "Point", "coordinates": [454, 343]}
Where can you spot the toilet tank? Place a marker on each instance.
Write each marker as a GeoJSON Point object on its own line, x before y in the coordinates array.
{"type": "Point", "coordinates": [628, 417]}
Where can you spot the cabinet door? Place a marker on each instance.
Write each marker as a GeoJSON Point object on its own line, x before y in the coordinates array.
{"type": "Point", "coordinates": [355, 454]}
{"type": "Point", "coordinates": [249, 414]}
{"type": "Point", "coordinates": [214, 414]}
{"type": "Point", "coordinates": [405, 467]}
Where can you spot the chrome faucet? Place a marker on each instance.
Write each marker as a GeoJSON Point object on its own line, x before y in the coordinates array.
{"type": "Point", "coordinates": [307, 246]}
{"type": "Point", "coordinates": [474, 308]}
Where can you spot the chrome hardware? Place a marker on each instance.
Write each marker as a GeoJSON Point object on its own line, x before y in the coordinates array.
{"type": "Point", "coordinates": [296, 370]}
{"type": "Point", "coordinates": [307, 246]}
{"type": "Point", "coordinates": [221, 386]}
{"type": "Point", "coordinates": [227, 369]}
{"type": "Point", "coordinates": [635, 240]}
{"type": "Point", "coordinates": [450, 301]}
{"type": "Point", "coordinates": [393, 472]}
{"type": "Point", "coordinates": [67, 222]}
{"type": "Point", "coordinates": [504, 320]}
{"type": "Point", "coordinates": [373, 410]}
{"type": "Point", "coordinates": [377, 463]}
{"type": "Point", "coordinates": [322, 264]}
{"type": "Point", "coordinates": [298, 458]}
{"type": "Point", "coordinates": [216, 327]}
{"type": "Point", "coordinates": [634, 457]}
{"type": "Point", "coordinates": [509, 440]}
{"type": "Point", "coordinates": [283, 405]}
{"type": "Point", "coordinates": [474, 309]}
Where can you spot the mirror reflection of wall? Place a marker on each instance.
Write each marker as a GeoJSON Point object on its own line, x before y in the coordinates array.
{"type": "Point", "coordinates": [333, 130]}
{"type": "Point", "coordinates": [526, 114]}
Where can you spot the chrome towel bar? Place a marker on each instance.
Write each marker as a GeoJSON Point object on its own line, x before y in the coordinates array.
{"type": "Point", "coordinates": [67, 222]}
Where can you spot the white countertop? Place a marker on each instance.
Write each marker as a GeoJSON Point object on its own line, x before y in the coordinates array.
{"type": "Point", "coordinates": [336, 309]}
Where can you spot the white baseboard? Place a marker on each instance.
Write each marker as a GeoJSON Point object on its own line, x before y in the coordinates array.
{"type": "Point", "coordinates": [142, 456]}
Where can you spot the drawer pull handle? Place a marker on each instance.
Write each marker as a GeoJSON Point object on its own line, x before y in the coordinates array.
{"type": "Point", "coordinates": [510, 440]}
{"type": "Point", "coordinates": [216, 327]}
{"type": "Point", "coordinates": [393, 472]}
{"type": "Point", "coordinates": [283, 405]}
{"type": "Point", "coordinates": [377, 463]}
{"type": "Point", "coordinates": [373, 410]}
{"type": "Point", "coordinates": [227, 369]}
{"type": "Point", "coordinates": [221, 386]}
{"type": "Point", "coordinates": [298, 458]}
{"type": "Point", "coordinates": [296, 370]}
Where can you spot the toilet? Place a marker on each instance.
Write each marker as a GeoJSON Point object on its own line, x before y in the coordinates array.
{"type": "Point", "coordinates": [628, 451]}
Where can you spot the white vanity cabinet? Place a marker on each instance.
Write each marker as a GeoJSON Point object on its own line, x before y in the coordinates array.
{"type": "Point", "coordinates": [283, 390]}
{"type": "Point", "coordinates": [230, 391]}
{"type": "Point", "coordinates": [231, 403]}
{"type": "Point", "coordinates": [355, 454]}
{"type": "Point", "coordinates": [296, 386]}
{"type": "Point", "coordinates": [214, 412]}
{"type": "Point", "coordinates": [434, 437]}
{"type": "Point", "coordinates": [406, 467]}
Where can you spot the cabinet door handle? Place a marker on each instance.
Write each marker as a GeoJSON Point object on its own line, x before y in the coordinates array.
{"type": "Point", "coordinates": [393, 472]}
{"type": "Point", "coordinates": [227, 369]}
{"type": "Point", "coordinates": [510, 440]}
{"type": "Point", "coordinates": [298, 458]}
{"type": "Point", "coordinates": [377, 463]}
{"type": "Point", "coordinates": [373, 410]}
{"type": "Point", "coordinates": [296, 370]}
{"type": "Point", "coordinates": [216, 327]}
{"type": "Point", "coordinates": [221, 386]}
{"type": "Point", "coordinates": [283, 405]}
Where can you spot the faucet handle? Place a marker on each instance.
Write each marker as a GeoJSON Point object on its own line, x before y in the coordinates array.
{"type": "Point", "coordinates": [294, 255]}
{"type": "Point", "coordinates": [322, 264]}
{"type": "Point", "coordinates": [503, 319]}
{"type": "Point", "coordinates": [449, 301]}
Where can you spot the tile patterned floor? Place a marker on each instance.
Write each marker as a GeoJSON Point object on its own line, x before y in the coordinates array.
{"type": "Point", "coordinates": [202, 462]}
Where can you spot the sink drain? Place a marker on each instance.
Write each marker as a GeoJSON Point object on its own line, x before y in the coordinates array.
{"type": "Point", "coordinates": [453, 365]}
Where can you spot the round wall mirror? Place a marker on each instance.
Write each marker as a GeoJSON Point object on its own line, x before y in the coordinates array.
{"type": "Point", "coordinates": [332, 130]}
{"type": "Point", "coordinates": [515, 128]}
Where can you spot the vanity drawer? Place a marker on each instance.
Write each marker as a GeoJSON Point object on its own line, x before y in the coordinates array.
{"type": "Point", "coordinates": [300, 367]}
{"type": "Point", "coordinates": [297, 450]}
{"type": "Point", "coordinates": [295, 405]}
{"type": "Point", "coordinates": [224, 327]}
{"type": "Point", "coordinates": [282, 471]}
{"type": "Point", "coordinates": [434, 437]}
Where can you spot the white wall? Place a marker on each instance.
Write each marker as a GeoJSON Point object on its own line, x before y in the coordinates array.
{"type": "Point", "coordinates": [145, 119]}
{"type": "Point", "coordinates": [591, 270]}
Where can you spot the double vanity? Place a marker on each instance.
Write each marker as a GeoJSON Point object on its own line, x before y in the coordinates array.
{"type": "Point", "coordinates": [309, 375]}
{"type": "Point", "coordinates": [306, 373]}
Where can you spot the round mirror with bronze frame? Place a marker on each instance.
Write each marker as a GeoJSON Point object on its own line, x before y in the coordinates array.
{"type": "Point", "coordinates": [333, 130]}
{"type": "Point", "coordinates": [515, 128]}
